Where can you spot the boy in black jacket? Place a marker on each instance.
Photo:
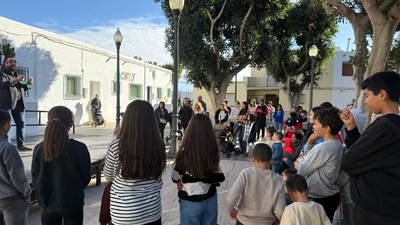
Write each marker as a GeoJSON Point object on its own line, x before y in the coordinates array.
{"type": "Point", "coordinates": [372, 161]}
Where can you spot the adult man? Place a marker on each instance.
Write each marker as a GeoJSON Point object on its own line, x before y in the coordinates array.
{"type": "Point", "coordinates": [271, 111]}
{"type": "Point", "coordinates": [96, 104]}
{"type": "Point", "coordinates": [203, 104]}
{"type": "Point", "coordinates": [12, 98]}
{"type": "Point", "coordinates": [262, 112]}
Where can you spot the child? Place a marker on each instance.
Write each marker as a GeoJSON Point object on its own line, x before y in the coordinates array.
{"type": "Point", "coordinates": [285, 174]}
{"type": "Point", "coordinates": [268, 138]}
{"type": "Point", "coordinates": [305, 121]}
{"type": "Point", "coordinates": [135, 162]}
{"type": "Point", "coordinates": [321, 165]}
{"type": "Point", "coordinates": [15, 190]}
{"type": "Point", "coordinates": [302, 210]}
{"type": "Point", "coordinates": [260, 190]}
{"type": "Point", "coordinates": [61, 170]}
{"type": "Point", "coordinates": [250, 134]}
{"type": "Point", "coordinates": [99, 119]}
{"type": "Point", "coordinates": [197, 172]}
{"type": "Point", "coordinates": [277, 151]}
{"type": "Point", "coordinates": [372, 161]}
{"type": "Point", "coordinates": [293, 124]}
{"type": "Point", "coordinates": [287, 146]}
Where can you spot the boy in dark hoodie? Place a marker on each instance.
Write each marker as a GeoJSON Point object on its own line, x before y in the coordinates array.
{"type": "Point", "coordinates": [14, 187]}
{"type": "Point", "coordinates": [372, 161]}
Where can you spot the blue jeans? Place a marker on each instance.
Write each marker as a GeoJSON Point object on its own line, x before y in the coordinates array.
{"type": "Point", "coordinates": [199, 213]}
{"type": "Point", "coordinates": [94, 110]}
{"type": "Point", "coordinates": [290, 164]}
{"type": "Point", "coordinates": [279, 126]}
{"type": "Point", "coordinates": [19, 118]}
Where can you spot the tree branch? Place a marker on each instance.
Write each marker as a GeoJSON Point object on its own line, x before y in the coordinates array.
{"type": "Point", "coordinates": [242, 27]}
{"type": "Point", "coordinates": [242, 66]}
{"type": "Point", "coordinates": [303, 67]}
{"type": "Point", "coordinates": [395, 11]}
{"type": "Point", "coordinates": [373, 11]}
{"type": "Point", "coordinates": [385, 4]}
{"type": "Point", "coordinates": [287, 83]}
{"type": "Point", "coordinates": [335, 6]}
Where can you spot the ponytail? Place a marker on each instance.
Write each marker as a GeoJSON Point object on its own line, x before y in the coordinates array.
{"type": "Point", "coordinates": [56, 138]}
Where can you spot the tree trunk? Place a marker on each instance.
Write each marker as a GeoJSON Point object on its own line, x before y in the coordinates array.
{"type": "Point", "coordinates": [217, 97]}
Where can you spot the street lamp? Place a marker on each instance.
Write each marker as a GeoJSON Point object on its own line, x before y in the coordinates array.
{"type": "Point", "coordinates": [313, 52]}
{"type": "Point", "coordinates": [176, 6]}
{"type": "Point", "coordinates": [118, 39]}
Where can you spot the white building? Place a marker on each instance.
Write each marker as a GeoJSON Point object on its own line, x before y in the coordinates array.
{"type": "Point", "coordinates": [69, 73]}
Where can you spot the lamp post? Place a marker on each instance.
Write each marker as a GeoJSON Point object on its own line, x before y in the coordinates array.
{"type": "Point", "coordinates": [176, 6]}
{"type": "Point", "coordinates": [118, 39]}
{"type": "Point", "coordinates": [313, 52]}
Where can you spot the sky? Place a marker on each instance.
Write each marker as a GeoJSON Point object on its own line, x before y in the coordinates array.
{"type": "Point", "coordinates": [142, 24]}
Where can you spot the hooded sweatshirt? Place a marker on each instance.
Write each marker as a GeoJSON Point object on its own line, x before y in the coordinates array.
{"type": "Point", "coordinates": [288, 149]}
{"type": "Point", "coordinates": [372, 163]}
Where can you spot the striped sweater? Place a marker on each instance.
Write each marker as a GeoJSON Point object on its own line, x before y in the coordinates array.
{"type": "Point", "coordinates": [132, 201]}
{"type": "Point", "coordinates": [194, 189]}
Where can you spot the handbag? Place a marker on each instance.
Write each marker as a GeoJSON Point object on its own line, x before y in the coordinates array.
{"type": "Point", "coordinates": [164, 121]}
{"type": "Point", "coordinates": [105, 216]}
{"type": "Point", "coordinates": [218, 126]}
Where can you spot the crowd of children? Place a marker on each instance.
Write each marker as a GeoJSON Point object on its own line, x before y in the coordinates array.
{"type": "Point", "coordinates": [317, 180]}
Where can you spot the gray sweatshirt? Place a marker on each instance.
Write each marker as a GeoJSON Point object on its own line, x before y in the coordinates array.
{"type": "Point", "coordinates": [262, 196]}
{"type": "Point", "coordinates": [321, 168]}
{"type": "Point", "coordinates": [12, 172]}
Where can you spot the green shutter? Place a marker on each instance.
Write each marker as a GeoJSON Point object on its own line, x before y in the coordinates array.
{"type": "Point", "coordinates": [169, 92]}
{"type": "Point", "coordinates": [135, 91]}
{"type": "Point", "coordinates": [73, 86]}
{"type": "Point", "coordinates": [159, 93]}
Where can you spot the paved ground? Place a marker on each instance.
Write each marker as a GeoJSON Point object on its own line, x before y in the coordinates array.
{"type": "Point", "coordinates": [97, 140]}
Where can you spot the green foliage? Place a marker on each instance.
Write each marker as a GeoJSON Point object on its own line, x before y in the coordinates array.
{"type": "Point", "coordinates": [393, 63]}
{"type": "Point", "coordinates": [290, 39]}
{"type": "Point", "coordinates": [170, 66]}
{"type": "Point", "coordinates": [196, 52]}
{"type": "Point", "coordinates": [6, 50]}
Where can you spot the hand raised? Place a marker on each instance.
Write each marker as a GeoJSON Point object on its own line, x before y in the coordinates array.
{"type": "Point", "coordinates": [30, 80]}
{"type": "Point", "coordinates": [348, 118]}
{"type": "Point", "coordinates": [313, 139]}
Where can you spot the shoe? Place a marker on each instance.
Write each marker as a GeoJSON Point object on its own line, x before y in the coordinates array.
{"type": "Point", "coordinates": [245, 155]}
{"type": "Point", "coordinates": [25, 148]}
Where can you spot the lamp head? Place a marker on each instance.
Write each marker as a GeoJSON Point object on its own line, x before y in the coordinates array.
{"type": "Point", "coordinates": [313, 51]}
{"type": "Point", "coordinates": [176, 4]}
{"type": "Point", "coordinates": [118, 36]}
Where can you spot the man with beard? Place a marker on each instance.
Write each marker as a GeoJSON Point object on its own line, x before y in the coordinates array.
{"type": "Point", "coordinates": [12, 98]}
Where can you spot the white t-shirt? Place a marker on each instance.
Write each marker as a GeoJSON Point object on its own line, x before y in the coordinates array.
{"type": "Point", "coordinates": [300, 213]}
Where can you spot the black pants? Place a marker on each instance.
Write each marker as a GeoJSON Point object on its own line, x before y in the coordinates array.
{"type": "Point", "coordinates": [161, 127]}
{"type": "Point", "coordinates": [362, 216]}
{"type": "Point", "coordinates": [157, 222]}
{"type": "Point", "coordinates": [330, 204]}
{"type": "Point", "coordinates": [70, 218]}
{"type": "Point", "coordinates": [262, 129]}
{"type": "Point", "coordinates": [238, 222]}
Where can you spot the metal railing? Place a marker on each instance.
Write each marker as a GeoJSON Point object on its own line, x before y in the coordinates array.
{"type": "Point", "coordinates": [40, 119]}
{"type": "Point", "coordinates": [261, 82]}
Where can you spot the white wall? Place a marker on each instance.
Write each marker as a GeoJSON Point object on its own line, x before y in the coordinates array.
{"type": "Point", "coordinates": [343, 86]}
{"type": "Point", "coordinates": [49, 60]}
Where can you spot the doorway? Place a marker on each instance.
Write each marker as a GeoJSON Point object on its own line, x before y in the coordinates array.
{"type": "Point", "coordinates": [94, 89]}
{"type": "Point", "coordinates": [150, 94]}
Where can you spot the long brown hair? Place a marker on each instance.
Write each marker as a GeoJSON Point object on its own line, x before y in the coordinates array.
{"type": "Point", "coordinates": [141, 149]}
{"type": "Point", "coordinates": [56, 138]}
{"type": "Point", "coordinates": [244, 110]}
{"type": "Point", "coordinates": [198, 153]}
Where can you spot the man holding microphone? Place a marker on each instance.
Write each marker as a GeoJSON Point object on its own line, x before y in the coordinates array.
{"type": "Point", "coordinates": [12, 97]}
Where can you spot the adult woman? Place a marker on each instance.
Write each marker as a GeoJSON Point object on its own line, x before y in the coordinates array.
{"type": "Point", "coordinates": [261, 111]}
{"type": "Point", "coordinates": [185, 113]}
{"type": "Point", "coordinates": [162, 117]}
{"type": "Point", "coordinates": [221, 115]}
{"type": "Point", "coordinates": [198, 108]}
{"type": "Point", "coordinates": [135, 163]}
{"type": "Point", "coordinates": [197, 173]}
{"type": "Point", "coordinates": [253, 107]}
{"type": "Point", "coordinates": [61, 170]}
{"type": "Point", "coordinates": [235, 111]}
{"type": "Point", "coordinates": [278, 117]}
{"type": "Point", "coordinates": [312, 121]}
{"type": "Point", "coordinates": [243, 113]}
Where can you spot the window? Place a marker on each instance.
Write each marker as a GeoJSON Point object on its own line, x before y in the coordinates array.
{"type": "Point", "coordinates": [114, 87]}
{"type": "Point", "coordinates": [73, 86]}
{"type": "Point", "coordinates": [169, 93]}
{"type": "Point", "coordinates": [24, 71]}
{"type": "Point", "coordinates": [135, 91]}
{"type": "Point", "coordinates": [347, 69]}
{"type": "Point", "coordinates": [159, 93]}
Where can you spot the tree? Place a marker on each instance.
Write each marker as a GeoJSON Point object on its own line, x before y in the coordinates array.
{"type": "Point", "coordinates": [170, 66]}
{"type": "Point", "coordinates": [384, 16]}
{"type": "Point", "coordinates": [6, 50]}
{"type": "Point", "coordinates": [393, 63]}
{"type": "Point", "coordinates": [220, 38]}
{"type": "Point", "coordinates": [291, 37]}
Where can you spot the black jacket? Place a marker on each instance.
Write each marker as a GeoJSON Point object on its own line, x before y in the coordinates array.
{"type": "Point", "coordinates": [217, 116]}
{"type": "Point", "coordinates": [185, 114]}
{"type": "Point", "coordinates": [60, 185]}
{"type": "Point", "coordinates": [8, 93]}
{"type": "Point", "coordinates": [159, 114]}
{"type": "Point", "coordinates": [95, 102]}
{"type": "Point", "coordinates": [372, 162]}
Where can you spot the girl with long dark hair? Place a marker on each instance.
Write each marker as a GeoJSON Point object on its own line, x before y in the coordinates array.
{"type": "Point", "coordinates": [162, 118]}
{"type": "Point", "coordinates": [61, 170]}
{"type": "Point", "coordinates": [197, 172]}
{"type": "Point", "coordinates": [135, 162]}
{"type": "Point", "coordinates": [185, 113]}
